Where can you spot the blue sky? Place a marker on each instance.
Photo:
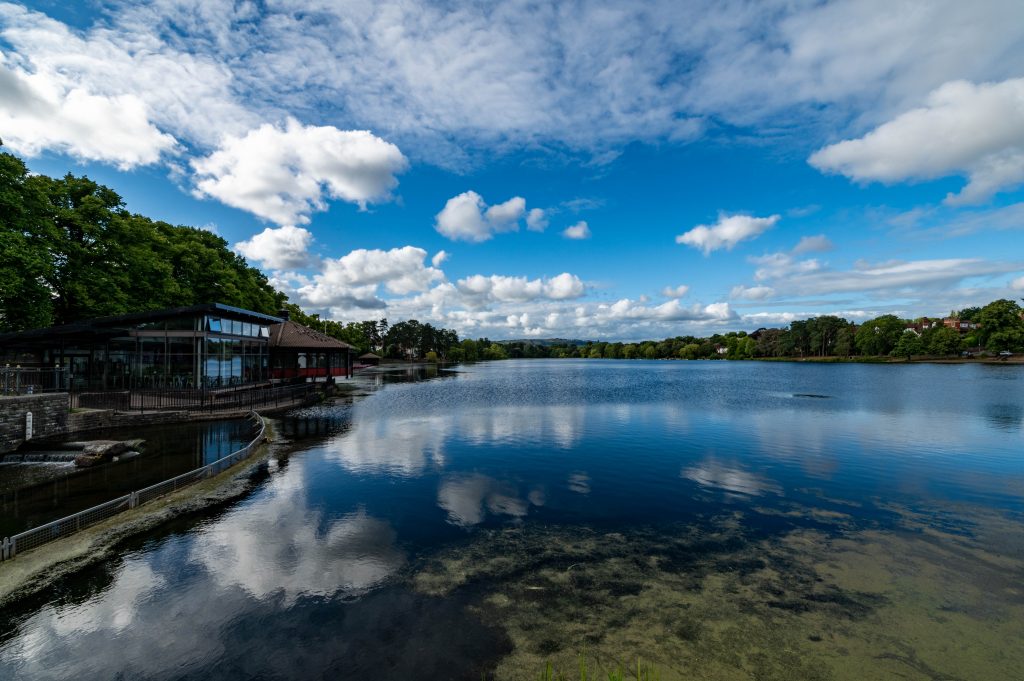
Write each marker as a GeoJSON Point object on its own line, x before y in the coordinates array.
{"type": "Point", "coordinates": [579, 169]}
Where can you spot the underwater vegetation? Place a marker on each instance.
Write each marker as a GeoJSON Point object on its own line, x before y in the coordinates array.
{"type": "Point", "coordinates": [717, 600]}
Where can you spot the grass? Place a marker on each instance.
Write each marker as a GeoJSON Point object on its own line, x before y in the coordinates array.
{"type": "Point", "coordinates": [643, 672]}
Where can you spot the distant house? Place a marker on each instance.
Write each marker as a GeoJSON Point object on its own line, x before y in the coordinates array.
{"type": "Point", "coordinates": [961, 326]}
{"type": "Point", "coordinates": [369, 359]}
{"type": "Point", "coordinates": [721, 349]}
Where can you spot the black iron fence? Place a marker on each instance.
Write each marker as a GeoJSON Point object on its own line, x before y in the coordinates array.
{"type": "Point", "coordinates": [27, 381]}
{"type": "Point", "coordinates": [196, 400]}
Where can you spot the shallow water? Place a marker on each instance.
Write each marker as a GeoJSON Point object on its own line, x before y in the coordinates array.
{"type": "Point", "coordinates": [716, 520]}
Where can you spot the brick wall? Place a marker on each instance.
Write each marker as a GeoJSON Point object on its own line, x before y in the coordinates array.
{"type": "Point", "coordinates": [49, 417]}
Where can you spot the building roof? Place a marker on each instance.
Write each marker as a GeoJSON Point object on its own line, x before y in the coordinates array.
{"type": "Point", "coordinates": [289, 334]}
{"type": "Point", "coordinates": [107, 326]}
{"type": "Point", "coordinates": [369, 355]}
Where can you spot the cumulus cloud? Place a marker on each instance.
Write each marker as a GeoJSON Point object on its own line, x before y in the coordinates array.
{"type": "Point", "coordinates": [672, 311]}
{"type": "Point", "coordinates": [578, 231]}
{"type": "Point", "coordinates": [813, 244]}
{"type": "Point", "coordinates": [503, 288]}
{"type": "Point", "coordinates": [281, 248]}
{"type": "Point", "coordinates": [727, 232]}
{"type": "Point", "coordinates": [355, 279]}
{"type": "Point", "coordinates": [1017, 284]}
{"type": "Point", "coordinates": [281, 174]}
{"type": "Point", "coordinates": [439, 258]}
{"type": "Point", "coordinates": [964, 128]}
{"type": "Point", "coordinates": [536, 220]}
{"type": "Point", "coordinates": [675, 291]}
{"type": "Point", "coordinates": [43, 111]}
{"type": "Point", "coordinates": [457, 77]}
{"type": "Point", "coordinates": [752, 292]}
{"type": "Point", "coordinates": [467, 217]}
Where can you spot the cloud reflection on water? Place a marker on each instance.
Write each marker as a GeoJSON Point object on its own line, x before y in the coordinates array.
{"type": "Point", "coordinates": [468, 499]}
{"type": "Point", "coordinates": [257, 550]}
{"type": "Point", "coordinates": [711, 473]}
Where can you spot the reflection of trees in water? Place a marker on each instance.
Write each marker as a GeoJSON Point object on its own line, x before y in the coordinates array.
{"type": "Point", "coordinates": [1005, 416]}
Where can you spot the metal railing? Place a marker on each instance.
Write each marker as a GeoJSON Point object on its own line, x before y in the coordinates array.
{"type": "Point", "coordinates": [30, 380]}
{"type": "Point", "coordinates": [195, 400]}
{"type": "Point", "coordinates": [64, 527]}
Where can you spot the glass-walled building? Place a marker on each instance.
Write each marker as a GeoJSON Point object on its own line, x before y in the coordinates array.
{"type": "Point", "coordinates": [203, 346]}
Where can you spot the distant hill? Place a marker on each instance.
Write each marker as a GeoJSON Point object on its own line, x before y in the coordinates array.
{"type": "Point", "coordinates": [545, 342]}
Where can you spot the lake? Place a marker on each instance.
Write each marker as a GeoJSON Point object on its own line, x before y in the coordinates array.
{"type": "Point", "coordinates": [720, 520]}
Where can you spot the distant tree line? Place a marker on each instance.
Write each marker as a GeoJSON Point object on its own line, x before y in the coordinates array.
{"type": "Point", "coordinates": [999, 326]}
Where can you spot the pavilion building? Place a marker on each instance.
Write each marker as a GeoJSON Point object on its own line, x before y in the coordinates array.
{"type": "Point", "coordinates": [208, 346]}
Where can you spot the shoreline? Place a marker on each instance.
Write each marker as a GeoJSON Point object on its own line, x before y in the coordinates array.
{"type": "Point", "coordinates": [32, 572]}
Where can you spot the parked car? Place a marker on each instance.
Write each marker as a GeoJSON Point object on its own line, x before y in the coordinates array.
{"type": "Point", "coordinates": [1005, 353]}
{"type": "Point", "coordinates": [965, 353]}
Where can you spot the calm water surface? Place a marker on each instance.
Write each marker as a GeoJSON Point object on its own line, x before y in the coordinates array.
{"type": "Point", "coordinates": [716, 520]}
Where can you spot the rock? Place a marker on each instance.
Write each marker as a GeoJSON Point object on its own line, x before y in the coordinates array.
{"type": "Point", "coordinates": [102, 451]}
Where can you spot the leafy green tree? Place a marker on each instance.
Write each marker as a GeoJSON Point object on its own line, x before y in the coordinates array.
{"type": "Point", "coordinates": [1002, 327]}
{"type": "Point", "coordinates": [942, 340]}
{"type": "Point", "coordinates": [845, 341]}
{"type": "Point", "coordinates": [879, 336]}
{"type": "Point", "coordinates": [909, 344]}
{"type": "Point", "coordinates": [26, 300]}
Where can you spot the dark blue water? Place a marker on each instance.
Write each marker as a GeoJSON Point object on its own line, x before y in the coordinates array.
{"type": "Point", "coordinates": [866, 512]}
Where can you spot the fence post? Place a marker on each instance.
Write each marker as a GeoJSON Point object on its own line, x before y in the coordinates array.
{"type": "Point", "coordinates": [5, 549]}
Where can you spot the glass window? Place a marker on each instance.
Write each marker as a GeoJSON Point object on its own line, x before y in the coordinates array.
{"type": "Point", "coordinates": [213, 324]}
{"type": "Point", "coordinates": [264, 332]}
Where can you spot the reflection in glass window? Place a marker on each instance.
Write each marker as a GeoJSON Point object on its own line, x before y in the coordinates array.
{"type": "Point", "coordinates": [213, 324]}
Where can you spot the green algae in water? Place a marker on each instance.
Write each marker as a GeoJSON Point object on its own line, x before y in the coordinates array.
{"type": "Point", "coordinates": [711, 603]}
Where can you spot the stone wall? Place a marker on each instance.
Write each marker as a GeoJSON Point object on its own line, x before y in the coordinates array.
{"type": "Point", "coordinates": [49, 417]}
{"type": "Point", "coordinates": [96, 419]}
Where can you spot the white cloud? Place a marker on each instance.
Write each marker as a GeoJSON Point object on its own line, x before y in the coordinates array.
{"type": "Point", "coordinates": [282, 174]}
{"type": "Point", "coordinates": [671, 311]}
{"type": "Point", "coordinates": [963, 128]}
{"type": "Point", "coordinates": [1017, 284]}
{"type": "Point", "coordinates": [536, 220]}
{"type": "Point", "coordinates": [675, 291]}
{"type": "Point", "coordinates": [813, 244]}
{"type": "Point", "coordinates": [752, 292]}
{"type": "Point", "coordinates": [451, 79]}
{"type": "Point", "coordinates": [354, 280]}
{"type": "Point", "coordinates": [578, 231]}
{"type": "Point", "coordinates": [727, 232]}
{"type": "Point", "coordinates": [41, 112]}
{"type": "Point", "coordinates": [467, 217]}
{"type": "Point", "coordinates": [809, 277]}
{"type": "Point", "coordinates": [279, 248]}
{"type": "Point", "coordinates": [506, 215]}
{"type": "Point", "coordinates": [439, 258]}
{"type": "Point", "coordinates": [496, 287]}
